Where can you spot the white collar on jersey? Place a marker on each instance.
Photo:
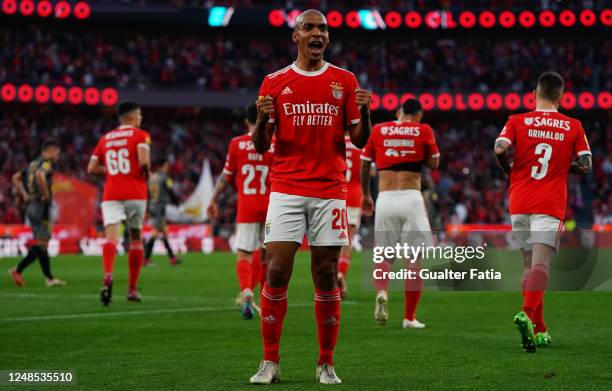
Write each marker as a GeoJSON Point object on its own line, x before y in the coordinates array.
{"type": "Point", "coordinates": [125, 126]}
{"type": "Point", "coordinates": [547, 110]}
{"type": "Point", "coordinates": [307, 73]}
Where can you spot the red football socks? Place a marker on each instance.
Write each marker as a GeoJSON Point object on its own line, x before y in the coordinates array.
{"type": "Point", "coordinates": [255, 266]}
{"type": "Point", "coordinates": [534, 293]}
{"type": "Point", "coordinates": [538, 318]}
{"type": "Point", "coordinates": [383, 283]}
{"type": "Point", "coordinates": [243, 271]}
{"type": "Point", "coordinates": [327, 313]}
{"type": "Point", "coordinates": [273, 310]}
{"type": "Point", "coordinates": [109, 251]}
{"type": "Point", "coordinates": [135, 261]}
{"type": "Point", "coordinates": [412, 292]}
{"type": "Point", "coordinates": [344, 263]}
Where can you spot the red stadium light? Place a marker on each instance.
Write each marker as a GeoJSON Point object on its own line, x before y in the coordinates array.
{"type": "Point", "coordinates": [75, 95]}
{"type": "Point", "coordinates": [433, 19]}
{"type": "Point", "coordinates": [82, 10]}
{"type": "Point", "coordinates": [467, 19]}
{"type": "Point", "coordinates": [547, 18]}
{"type": "Point", "coordinates": [406, 96]}
{"type": "Point", "coordinates": [9, 7]}
{"type": "Point", "coordinates": [92, 96]}
{"type": "Point", "coordinates": [567, 18]}
{"type": "Point", "coordinates": [390, 101]}
{"type": "Point", "coordinates": [334, 19]}
{"type": "Point", "coordinates": [494, 101]}
{"type": "Point", "coordinates": [606, 17]}
{"type": "Point", "coordinates": [428, 101]}
{"type": "Point", "coordinates": [27, 7]}
{"type": "Point", "coordinates": [527, 19]}
{"type": "Point", "coordinates": [507, 19]}
{"type": "Point", "coordinates": [353, 20]}
{"type": "Point", "coordinates": [374, 102]}
{"type": "Point", "coordinates": [512, 101]}
{"type": "Point", "coordinates": [487, 19]}
{"type": "Point", "coordinates": [413, 19]}
{"type": "Point", "coordinates": [62, 9]}
{"type": "Point", "coordinates": [42, 94]}
{"type": "Point", "coordinates": [604, 100]}
{"type": "Point", "coordinates": [109, 96]}
{"type": "Point", "coordinates": [445, 101]}
{"type": "Point", "coordinates": [529, 101]}
{"type": "Point", "coordinates": [393, 19]}
{"type": "Point", "coordinates": [58, 95]}
{"type": "Point", "coordinates": [586, 100]}
{"type": "Point", "coordinates": [587, 18]}
{"type": "Point", "coordinates": [8, 92]}
{"type": "Point", "coordinates": [475, 101]}
{"type": "Point", "coordinates": [460, 102]}
{"type": "Point", "coordinates": [25, 93]}
{"type": "Point", "coordinates": [44, 8]}
{"type": "Point", "coordinates": [276, 18]}
{"type": "Point", "coordinates": [568, 101]}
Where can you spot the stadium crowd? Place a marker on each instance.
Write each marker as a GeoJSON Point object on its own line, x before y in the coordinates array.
{"type": "Point", "coordinates": [468, 187]}
{"type": "Point", "coordinates": [221, 61]}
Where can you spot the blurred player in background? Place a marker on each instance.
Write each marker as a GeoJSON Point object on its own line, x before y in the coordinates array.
{"type": "Point", "coordinates": [399, 149]}
{"type": "Point", "coordinates": [123, 157]}
{"type": "Point", "coordinates": [34, 187]}
{"type": "Point", "coordinates": [161, 193]}
{"type": "Point", "coordinates": [353, 209]}
{"type": "Point", "coordinates": [548, 145]}
{"type": "Point", "coordinates": [307, 106]}
{"type": "Point", "coordinates": [248, 172]}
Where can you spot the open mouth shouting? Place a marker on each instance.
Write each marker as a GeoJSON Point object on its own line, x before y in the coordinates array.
{"type": "Point", "coordinates": [316, 47]}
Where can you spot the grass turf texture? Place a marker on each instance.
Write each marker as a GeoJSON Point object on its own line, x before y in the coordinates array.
{"type": "Point", "coordinates": [187, 334]}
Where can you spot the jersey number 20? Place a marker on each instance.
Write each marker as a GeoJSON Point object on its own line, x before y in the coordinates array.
{"type": "Point", "coordinates": [249, 170]}
{"type": "Point", "coordinates": [546, 151]}
{"type": "Point", "coordinates": [118, 161]}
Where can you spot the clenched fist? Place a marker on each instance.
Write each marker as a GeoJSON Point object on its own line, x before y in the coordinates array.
{"type": "Point", "coordinates": [362, 98]}
{"type": "Point", "coordinates": [265, 107]}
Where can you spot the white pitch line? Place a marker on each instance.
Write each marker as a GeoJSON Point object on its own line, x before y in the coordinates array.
{"type": "Point", "coordinates": [139, 312]}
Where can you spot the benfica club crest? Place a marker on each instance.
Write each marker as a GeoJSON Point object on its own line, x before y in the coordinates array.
{"type": "Point", "coordinates": [336, 89]}
{"type": "Point", "coordinates": [528, 121]}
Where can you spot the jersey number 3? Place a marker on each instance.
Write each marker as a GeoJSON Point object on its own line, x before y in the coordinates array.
{"type": "Point", "coordinates": [118, 161]}
{"type": "Point", "coordinates": [545, 150]}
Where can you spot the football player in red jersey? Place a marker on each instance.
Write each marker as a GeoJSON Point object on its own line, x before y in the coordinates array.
{"type": "Point", "coordinates": [307, 106]}
{"type": "Point", "coordinates": [399, 149]}
{"type": "Point", "coordinates": [353, 210]}
{"type": "Point", "coordinates": [123, 157]}
{"type": "Point", "coordinates": [548, 145]}
{"type": "Point", "coordinates": [248, 172]}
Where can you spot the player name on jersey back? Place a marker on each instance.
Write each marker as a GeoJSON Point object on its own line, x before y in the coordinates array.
{"type": "Point", "coordinates": [117, 151]}
{"type": "Point", "coordinates": [546, 142]}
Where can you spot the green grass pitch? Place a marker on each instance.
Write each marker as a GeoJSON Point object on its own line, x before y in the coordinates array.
{"type": "Point", "coordinates": [187, 335]}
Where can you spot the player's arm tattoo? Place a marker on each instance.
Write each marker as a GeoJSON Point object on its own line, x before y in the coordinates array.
{"type": "Point", "coordinates": [364, 175]}
{"type": "Point", "coordinates": [360, 133]}
{"type": "Point", "coordinates": [502, 152]}
{"type": "Point", "coordinates": [17, 180]}
{"type": "Point", "coordinates": [219, 186]}
{"type": "Point", "coordinates": [582, 165]}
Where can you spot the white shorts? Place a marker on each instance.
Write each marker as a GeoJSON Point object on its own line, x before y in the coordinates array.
{"type": "Point", "coordinates": [249, 236]}
{"type": "Point", "coordinates": [130, 211]}
{"type": "Point", "coordinates": [528, 229]}
{"type": "Point", "coordinates": [354, 216]}
{"type": "Point", "coordinates": [289, 217]}
{"type": "Point", "coordinates": [401, 217]}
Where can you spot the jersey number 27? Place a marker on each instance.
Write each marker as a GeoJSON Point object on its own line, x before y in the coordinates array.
{"type": "Point", "coordinates": [249, 170]}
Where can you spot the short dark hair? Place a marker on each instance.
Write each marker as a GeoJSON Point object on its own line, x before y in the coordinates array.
{"type": "Point", "coordinates": [411, 106]}
{"type": "Point", "coordinates": [250, 113]}
{"type": "Point", "coordinates": [125, 107]}
{"type": "Point", "coordinates": [50, 143]}
{"type": "Point", "coordinates": [550, 86]}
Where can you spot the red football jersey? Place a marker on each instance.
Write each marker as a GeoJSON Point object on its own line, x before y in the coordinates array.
{"type": "Point", "coordinates": [117, 150]}
{"type": "Point", "coordinates": [396, 142]}
{"type": "Point", "coordinates": [545, 142]}
{"type": "Point", "coordinates": [353, 162]}
{"type": "Point", "coordinates": [312, 111]}
{"type": "Point", "coordinates": [249, 171]}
